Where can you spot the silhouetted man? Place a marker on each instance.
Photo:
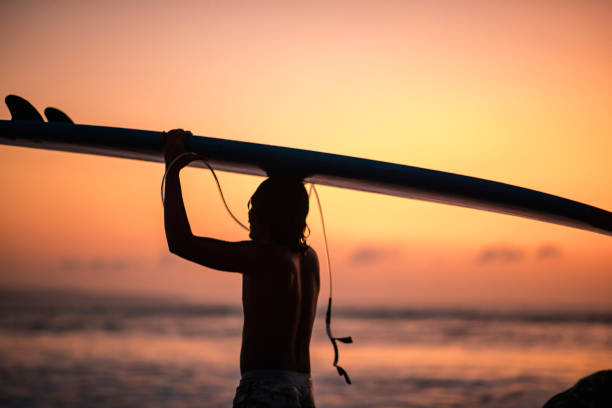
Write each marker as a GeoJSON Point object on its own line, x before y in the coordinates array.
{"type": "Point", "coordinates": [280, 282]}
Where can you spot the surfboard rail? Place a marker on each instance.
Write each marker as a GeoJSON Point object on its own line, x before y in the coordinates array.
{"type": "Point", "coordinates": [315, 167]}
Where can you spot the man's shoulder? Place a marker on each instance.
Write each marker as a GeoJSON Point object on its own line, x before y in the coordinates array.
{"type": "Point", "coordinates": [310, 253]}
{"type": "Point", "coordinates": [275, 255]}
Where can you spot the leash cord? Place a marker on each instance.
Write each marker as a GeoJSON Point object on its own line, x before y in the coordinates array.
{"type": "Point", "coordinates": [349, 339]}
{"type": "Point", "coordinates": [203, 160]}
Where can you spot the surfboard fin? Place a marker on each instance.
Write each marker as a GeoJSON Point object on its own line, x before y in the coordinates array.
{"type": "Point", "coordinates": [56, 115]}
{"type": "Point", "coordinates": [21, 109]}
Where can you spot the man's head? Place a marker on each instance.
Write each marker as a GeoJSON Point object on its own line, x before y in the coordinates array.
{"type": "Point", "coordinates": [278, 211]}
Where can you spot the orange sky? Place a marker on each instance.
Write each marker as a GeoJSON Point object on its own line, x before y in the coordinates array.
{"type": "Point", "coordinates": [510, 91]}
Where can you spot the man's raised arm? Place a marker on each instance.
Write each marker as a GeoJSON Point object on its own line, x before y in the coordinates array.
{"type": "Point", "coordinates": [213, 253]}
{"type": "Point", "coordinates": [176, 223]}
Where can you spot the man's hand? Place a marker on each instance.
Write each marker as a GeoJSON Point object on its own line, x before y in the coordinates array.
{"type": "Point", "coordinates": [174, 143]}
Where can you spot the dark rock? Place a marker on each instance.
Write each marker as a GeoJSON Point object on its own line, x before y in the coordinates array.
{"type": "Point", "coordinates": [593, 391]}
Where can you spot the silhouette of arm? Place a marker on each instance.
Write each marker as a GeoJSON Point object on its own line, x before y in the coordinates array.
{"type": "Point", "coordinates": [213, 253]}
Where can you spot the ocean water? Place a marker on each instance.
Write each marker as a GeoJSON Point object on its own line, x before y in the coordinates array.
{"type": "Point", "coordinates": [69, 349]}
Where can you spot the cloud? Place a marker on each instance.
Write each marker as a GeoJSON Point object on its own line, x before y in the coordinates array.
{"type": "Point", "coordinates": [368, 255]}
{"type": "Point", "coordinates": [549, 251]}
{"type": "Point", "coordinates": [509, 254]}
{"type": "Point", "coordinates": [167, 259]}
{"type": "Point", "coordinates": [501, 254]}
{"type": "Point", "coordinates": [96, 265]}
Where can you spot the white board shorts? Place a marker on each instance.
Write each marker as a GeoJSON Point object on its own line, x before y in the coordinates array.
{"type": "Point", "coordinates": [274, 388]}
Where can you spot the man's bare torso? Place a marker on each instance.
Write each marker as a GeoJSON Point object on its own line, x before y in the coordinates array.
{"type": "Point", "coordinates": [279, 300]}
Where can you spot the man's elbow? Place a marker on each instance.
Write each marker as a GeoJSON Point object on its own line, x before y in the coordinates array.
{"type": "Point", "coordinates": [173, 248]}
{"type": "Point", "coordinates": [175, 245]}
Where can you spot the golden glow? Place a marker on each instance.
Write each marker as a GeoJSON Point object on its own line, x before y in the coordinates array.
{"type": "Point", "coordinates": [514, 93]}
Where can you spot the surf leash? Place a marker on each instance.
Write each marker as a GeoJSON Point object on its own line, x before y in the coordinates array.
{"type": "Point", "coordinates": [203, 160]}
{"type": "Point", "coordinates": [334, 340]}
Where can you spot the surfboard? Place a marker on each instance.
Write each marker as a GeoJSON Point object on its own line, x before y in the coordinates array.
{"type": "Point", "coordinates": [314, 167]}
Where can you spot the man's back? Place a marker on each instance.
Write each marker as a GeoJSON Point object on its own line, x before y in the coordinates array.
{"type": "Point", "coordinates": [280, 281]}
{"type": "Point", "coordinates": [279, 298]}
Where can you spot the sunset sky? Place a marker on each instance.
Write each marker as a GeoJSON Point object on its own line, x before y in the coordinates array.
{"type": "Point", "coordinates": [518, 92]}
